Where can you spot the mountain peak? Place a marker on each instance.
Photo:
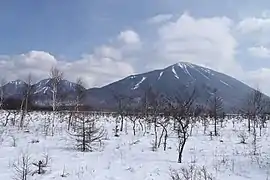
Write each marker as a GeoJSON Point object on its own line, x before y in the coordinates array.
{"type": "Point", "coordinates": [17, 82]}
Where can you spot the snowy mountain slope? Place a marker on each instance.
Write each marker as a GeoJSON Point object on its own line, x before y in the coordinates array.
{"type": "Point", "coordinates": [43, 90]}
{"type": "Point", "coordinates": [14, 89]}
{"type": "Point", "coordinates": [172, 80]}
{"type": "Point", "coordinates": [169, 81]}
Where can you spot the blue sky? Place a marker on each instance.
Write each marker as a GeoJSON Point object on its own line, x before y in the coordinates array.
{"type": "Point", "coordinates": [105, 40]}
{"type": "Point", "coordinates": [70, 28]}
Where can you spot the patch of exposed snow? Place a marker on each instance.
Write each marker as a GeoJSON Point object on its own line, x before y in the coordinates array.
{"type": "Point", "coordinates": [207, 71]}
{"type": "Point", "coordinates": [184, 67]}
{"type": "Point", "coordinates": [138, 84]}
{"type": "Point", "coordinates": [225, 83]}
{"type": "Point", "coordinates": [180, 65]}
{"type": "Point", "coordinates": [160, 74]}
{"type": "Point", "coordinates": [174, 72]}
{"type": "Point", "coordinates": [189, 65]}
{"type": "Point", "coordinates": [186, 71]}
{"type": "Point", "coordinates": [44, 90]}
{"type": "Point", "coordinates": [201, 73]}
{"type": "Point", "coordinates": [17, 82]}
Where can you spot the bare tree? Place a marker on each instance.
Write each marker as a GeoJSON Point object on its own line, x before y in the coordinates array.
{"type": "Point", "coordinates": [55, 76]}
{"type": "Point", "coordinates": [180, 110]}
{"type": "Point", "coordinates": [2, 92]}
{"type": "Point", "coordinates": [7, 118]}
{"type": "Point", "coordinates": [253, 107]}
{"type": "Point", "coordinates": [87, 133]}
{"type": "Point", "coordinates": [26, 99]}
{"type": "Point", "coordinates": [154, 105]}
{"type": "Point", "coordinates": [79, 92]}
{"type": "Point", "coordinates": [191, 172]}
{"type": "Point", "coordinates": [22, 168]}
{"type": "Point", "coordinates": [41, 164]}
{"type": "Point", "coordinates": [121, 101]}
{"type": "Point", "coordinates": [131, 115]}
{"type": "Point", "coordinates": [215, 105]}
{"type": "Point", "coordinates": [79, 95]}
{"type": "Point", "coordinates": [164, 123]}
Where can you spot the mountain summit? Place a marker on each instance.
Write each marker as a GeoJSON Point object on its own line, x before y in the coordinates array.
{"type": "Point", "coordinates": [172, 80]}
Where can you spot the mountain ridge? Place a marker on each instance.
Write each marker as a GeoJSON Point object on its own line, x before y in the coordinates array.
{"type": "Point", "coordinates": [168, 81]}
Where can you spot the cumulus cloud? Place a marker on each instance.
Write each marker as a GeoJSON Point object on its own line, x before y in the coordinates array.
{"type": "Point", "coordinates": [253, 24]}
{"type": "Point", "coordinates": [259, 52]}
{"type": "Point", "coordinates": [259, 79]}
{"type": "Point", "coordinates": [206, 41]}
{"type": "Point", "coordinates": [103, 66]}
{"type": "Point", "coordinates": [129, 37]}
{"type": "Point", "coordinates": [160, 18]}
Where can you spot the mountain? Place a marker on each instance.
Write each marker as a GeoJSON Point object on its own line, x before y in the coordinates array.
{"type": "Point", "coordinates": [42, 91]}
{"type": "Point", "coordinates": [14, 89]}
{"type": "Point", "coordinates": [171, 81]}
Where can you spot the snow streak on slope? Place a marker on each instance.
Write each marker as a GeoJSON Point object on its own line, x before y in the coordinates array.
{"type": "Point", "coordinates": [44, 90]}
{"type": "Point", "coordinates": [160, 74]}
{"type": "Point", "coordinates": [174, 72]}
{"type": "Point", "coordinates": [138, 84]}
{"type": "Point", "coordinates": [207, 71]}
{"type": "Point", "coordinates": [201, 73]}
{"type": "Point", "coordinates": [225, 83]}
{"type": "Point", "coordinates": [184, 67]}
{"type": "Point", "coordinates": [17, 82]}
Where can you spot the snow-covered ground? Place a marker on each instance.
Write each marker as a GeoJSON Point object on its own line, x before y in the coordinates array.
{"type": "Point", "coordinates": [128, 156]}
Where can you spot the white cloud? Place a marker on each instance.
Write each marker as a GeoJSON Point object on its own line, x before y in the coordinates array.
{"type": "Point", "coordinates": [259, 52]}
{"type": "Point", "coordinates": [109, 52]}
{"type": "Point", "coordinates": [253, 24]}
{"type": "Point", "coordinates": [97, 70]}
{"type": "Point", "coordinates": [129, 37]}
{"type": "Point", "coordinates": [206, 41]}
{"type": "Point", "coordinates": [259, 79]}
{"type": "Point", "coordinates": [160, 18]}
{"type": "Point", "coordinates": [106, 64]}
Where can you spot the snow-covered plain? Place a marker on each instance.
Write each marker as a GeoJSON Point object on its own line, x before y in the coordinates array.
{"type": "Point", "coordinates": [128, 156]}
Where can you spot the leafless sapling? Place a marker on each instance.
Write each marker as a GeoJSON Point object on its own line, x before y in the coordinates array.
{"type": "Point", "coordinates": [26, 99]}
{"type": "Point", "coordinates": [215, 105]}
{"type": "Point", "coordinates": [253, 107]}
{"type": "Point", "coordinates": [180, 111]}
{"type": "Point", "coordinates": [55, 77]}
{"type": "Point", "coordinates": [191, 172]}
{"type": "Point", "coordinates": [121, 101]}
{"type": "Point", "coordinates": [79, 95]}
{"type": "Point", "coordinates": [41, 165]}
{"type": "Point", "coordinates": [154, 103]}
{"type": "Point", "coordinates": [131, 115]}
{"type": "Point", "coordinates": [87, 132]}
{"type": "Point", "coordinates": [164, 123]}
{"type": "Point", "coordinates": [22, 168]}
{"type": "Point", "coordinates": [2, 92]}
